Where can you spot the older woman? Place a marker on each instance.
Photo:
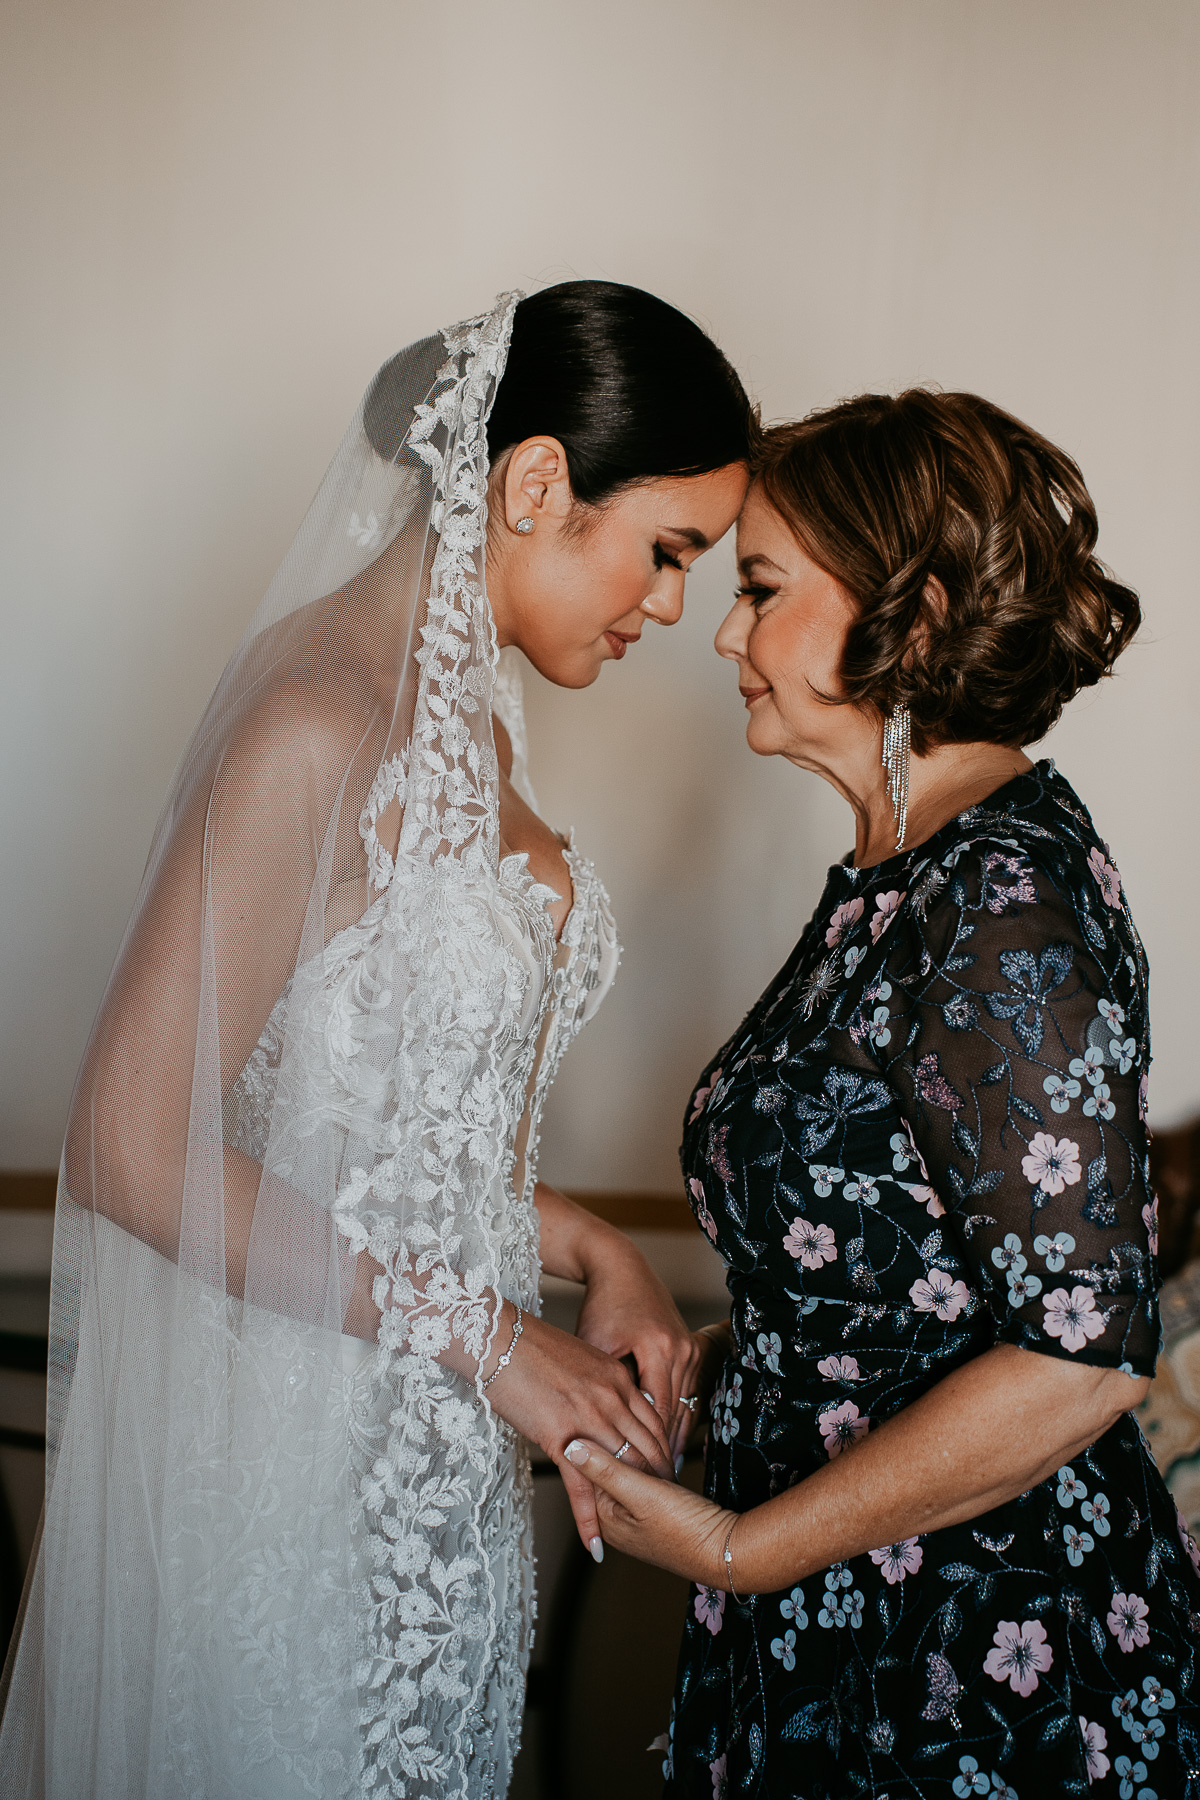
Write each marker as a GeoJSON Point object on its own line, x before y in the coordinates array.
{"type": "Point", "coordinates": [934, 1557]}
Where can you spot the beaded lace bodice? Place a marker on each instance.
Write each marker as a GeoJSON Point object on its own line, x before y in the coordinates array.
{"type": "Point", "coordinates": [441, 1506]}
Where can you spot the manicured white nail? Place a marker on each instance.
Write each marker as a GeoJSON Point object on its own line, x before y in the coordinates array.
{"type": "Point", "coordinates": [596, 1546]}
{"type": "Point", "coordinates": [649, 1397]}
{"type": "Point", "coordinates": [679, 1462]}
{"type": "Point", "coordinates": [576, 1451]}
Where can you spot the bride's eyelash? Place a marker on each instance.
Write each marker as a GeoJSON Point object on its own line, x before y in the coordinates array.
{"type": "Point", "coordinates": [664, 559]}
{"type": "Point", "coordinates": [754, 594]}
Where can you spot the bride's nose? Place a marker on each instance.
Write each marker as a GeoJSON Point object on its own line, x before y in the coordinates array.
{"type": "Point", "coordinates": [664, 602]}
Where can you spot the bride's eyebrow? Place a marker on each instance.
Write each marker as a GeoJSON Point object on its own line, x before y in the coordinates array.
{"type": "Point", "coordinates": [756, 561]}
{"type": "Point", "coordinates": [695, 540]}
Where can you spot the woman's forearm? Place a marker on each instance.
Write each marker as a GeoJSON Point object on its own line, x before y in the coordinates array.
{"type": "Point", "coordinates": [982, 1436]}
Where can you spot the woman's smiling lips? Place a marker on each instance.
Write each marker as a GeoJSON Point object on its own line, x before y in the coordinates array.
{"type": "Point", "coordinates": [750, 695]}
{"type": "Point", "coordinates": [617, 641]}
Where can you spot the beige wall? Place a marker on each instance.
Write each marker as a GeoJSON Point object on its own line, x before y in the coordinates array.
{"type": "Point", "coordinates": [219, 218]}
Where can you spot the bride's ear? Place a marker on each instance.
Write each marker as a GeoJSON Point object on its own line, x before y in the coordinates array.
{"type": "Point", "coordinates": [537, 485]}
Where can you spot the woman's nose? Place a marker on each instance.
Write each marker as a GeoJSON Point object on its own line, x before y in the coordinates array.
{"type": "Point", "coordinates": [732, 633]}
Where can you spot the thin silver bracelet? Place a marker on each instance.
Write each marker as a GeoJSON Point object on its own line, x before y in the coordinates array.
{"type": "Point", "coordinates": [727, 1558]}
{"type": "Point", "coordinates": [508, 1354]}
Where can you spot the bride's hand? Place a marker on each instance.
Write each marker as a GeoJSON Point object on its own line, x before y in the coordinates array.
{"type": "Point", "coordinates": [557, 1388]}
{"type": "Point", "coordinates": [629, 1312]}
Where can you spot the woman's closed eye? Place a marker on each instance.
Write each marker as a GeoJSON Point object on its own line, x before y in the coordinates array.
{"type": "Point", "coordinates": [664, 559]}
{"type": "Point", "coordinates": [757, 596]}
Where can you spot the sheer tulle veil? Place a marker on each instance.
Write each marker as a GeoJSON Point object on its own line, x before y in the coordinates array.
{"type": "Point", "coordinates": [268, 1561]}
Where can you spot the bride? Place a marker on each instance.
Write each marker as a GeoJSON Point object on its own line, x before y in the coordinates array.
{"type": "Point", "coordinates": [294, 1343]}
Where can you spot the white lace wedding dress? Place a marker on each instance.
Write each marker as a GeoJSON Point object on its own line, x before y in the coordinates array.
{"type": "Point", "coordinates": [279, 1561]}
{"type": "Point", "coordinates": [438, 1560]}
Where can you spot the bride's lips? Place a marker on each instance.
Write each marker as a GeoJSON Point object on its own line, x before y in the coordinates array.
{"type": "Point", "coordinates": [617, 642]}
{"type": "Point", "coordinates": [750, 695]}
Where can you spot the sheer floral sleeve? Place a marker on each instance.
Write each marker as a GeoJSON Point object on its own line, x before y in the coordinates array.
{"type": "Point", "coordinates": [1019, 1045]}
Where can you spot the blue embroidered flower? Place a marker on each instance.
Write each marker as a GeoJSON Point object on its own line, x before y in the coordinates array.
{"type": "Point", "coordinates": [877, 1030]}
{"type": "Point", "coordinates": [1123, 1053]}
{"type": "Point", "coordinates": [1089, 1066]}
{"type": "Point", "coordinates": [1008, 1256]}
{"type": "Point", "coordinates": [769, 1345]}
{"type": "Point", "coordinates": [1022, 1288]}
{"type": "Point", "coordinates": [902, 1151]}
{"type": "Point", "coordinates": [1096, 1511]}
{"type": "Point", "coordinates": [1055, 1250]}
{"type": "Point", "coordinates": [1157, 1697]}
{"type": "Point", "coordinates": [1078, 1544]}
{"type": "Point", "coordinates": [824, 1178]}
{"type": "Point", "coordinates": [1129, 1773]}
{"type": "Point", "coordinates": [793, 1608]}
{"type": "Point", "coordinates": [854, 956]}
{"type": "Point", "coordinates": [785, 1649]}
{"type": "Point", "coordinates": [1070, 1488]}
{"type": "Point", "coordinates": [1061, 1092]}
{"type": "Point", "coordinates": [864, 1188]}
{"type": "Point", "coordinates": [1098, 1104]}
{"type": "Point", "coordinates": [970, 1779]}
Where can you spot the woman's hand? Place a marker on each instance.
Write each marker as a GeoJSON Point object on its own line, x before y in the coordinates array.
{"type": "Point", "coordinates": [557, 1387]}
{"type": "Point", "coordinates": [660, 1523]}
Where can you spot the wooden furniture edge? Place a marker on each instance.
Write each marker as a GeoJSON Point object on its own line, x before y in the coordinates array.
{"type": "Point", "coordinates": [33, 1190]}
{"type": "Point", "coordinates": [28, 1190]}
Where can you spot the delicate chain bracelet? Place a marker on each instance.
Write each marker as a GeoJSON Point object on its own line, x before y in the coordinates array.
{"type": "Point", "coordinates": [508, 1354]}
{"type": "Point", "coordinates": [727, 1557]}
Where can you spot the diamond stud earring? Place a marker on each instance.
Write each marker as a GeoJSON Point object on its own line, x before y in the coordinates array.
{"type": "Point", "coordinates": [524, 526]}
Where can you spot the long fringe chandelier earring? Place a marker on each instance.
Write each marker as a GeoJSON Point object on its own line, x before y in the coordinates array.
{"type": "Point", "coordinates": [897, 742]}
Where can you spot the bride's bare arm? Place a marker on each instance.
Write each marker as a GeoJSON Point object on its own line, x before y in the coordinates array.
{"type": "Point", "coordinates": [628, 1311]}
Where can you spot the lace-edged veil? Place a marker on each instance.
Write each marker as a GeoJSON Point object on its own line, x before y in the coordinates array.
{"type": "Point", "coordinates": [295, 1062]}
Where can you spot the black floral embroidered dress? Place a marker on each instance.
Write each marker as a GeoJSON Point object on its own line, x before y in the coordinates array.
{"type": "Point", "coordinates": [928, 1137]}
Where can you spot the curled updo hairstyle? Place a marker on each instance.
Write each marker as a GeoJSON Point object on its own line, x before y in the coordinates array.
{"type": "Point", "coordinates": [631, 388]}
{"type": "Point", "coordinates": [895, 496]}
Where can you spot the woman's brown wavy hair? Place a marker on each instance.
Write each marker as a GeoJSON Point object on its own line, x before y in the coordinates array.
{"type": "Point", "coordinates": [894, 496]}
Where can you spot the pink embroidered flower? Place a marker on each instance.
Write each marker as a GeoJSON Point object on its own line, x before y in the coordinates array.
{"type": "Point", "coordinates": [709, 1607]}
{"type": "Point", "coordinates": [1021, 1654]}
{"type": "Point", "coordinates": [1095, 1740]}
{"type": "Point", "coordinates": [887, 906]}
{"type": "Point", "coordinates": [1127, 1620]}
{"type": "Point", "coordinates": [899, 1560]}
{"type": "Point", "coordinates": [939, 1293]}
{"type": "Point", "coordinates": [1107, 878]}
{"type": "Point", "coordinates": [704, 1218]}
{"type": "Point", "coordinates": [928, 1199]}
{"type": "Point", "coordinates": [839, 1368]}
{"type": "Point", "coordinates": [845, 918]}
{"type": "Point", "coordinates": [841, 1427]}
{"type": "Point", "coordinates": [701, 1095]}
{"type": "Point", "coordinates": [1072, 1318]}
{"type": "Point", "coordinates": [719, 1779]}
{"type": "Point", "coordinates": [1052, 1163]}
{"type": "Point", "coordinates": [1150, 1221]}
{"type": "Point", "coordinates": [1188, 1541]}
{"type": "Point", "coordinates": [811, 1245]}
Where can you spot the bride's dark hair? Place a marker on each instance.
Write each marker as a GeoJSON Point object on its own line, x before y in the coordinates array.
{"type": "Point", "coordinates": [632, 389]}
